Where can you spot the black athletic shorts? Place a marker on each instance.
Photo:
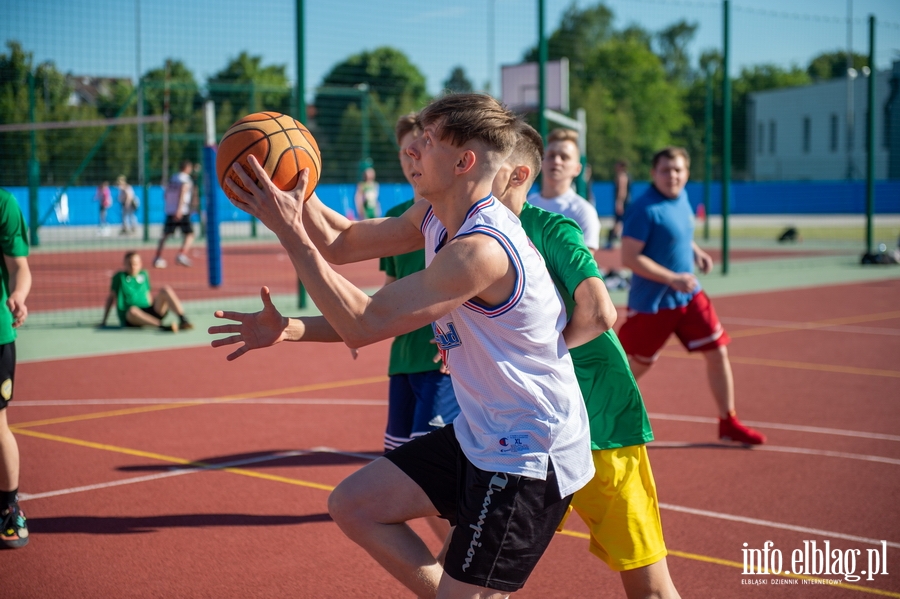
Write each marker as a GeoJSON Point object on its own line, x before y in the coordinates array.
{"type": "Point", "coordinates": [183, 223]}
{"type": "Point", "coordinates": [504, 522]}
{"type": "Point", "coordinates": [7, 373]}
{"type": "Point", "coordinates": [148, 310]}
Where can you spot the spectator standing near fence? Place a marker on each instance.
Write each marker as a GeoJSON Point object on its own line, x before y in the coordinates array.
{"type": "Point", "coordinates": [178, 196]}
{"type": "Point", "coordinates": [562, 163]}
{"type": "Point", "coordinates": [366, 197]}
{"type": "Point", "coordinates": [104, 201]}
{"type": "Point", "coordinates": [665, 296]}
{"type": "Point", "coordinates": [129, 203]}
{"type": "Point", "coordinates": [621, 199]}
{"type": "Point", "coordinates": [16, 283]}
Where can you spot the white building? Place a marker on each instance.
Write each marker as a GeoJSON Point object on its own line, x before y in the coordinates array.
{"type": "Point", "coordinates": [818, 132]}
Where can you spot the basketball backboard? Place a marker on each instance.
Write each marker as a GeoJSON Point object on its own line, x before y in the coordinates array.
{"type": "Point", "coordinates": [519, 85]}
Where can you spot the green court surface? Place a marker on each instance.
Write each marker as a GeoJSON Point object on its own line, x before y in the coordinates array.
{"type": "Point", "coordinates": [745, 276]}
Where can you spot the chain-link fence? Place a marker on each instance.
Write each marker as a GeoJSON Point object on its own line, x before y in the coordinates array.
{"type": "Point", "coordinates": [640, 76]}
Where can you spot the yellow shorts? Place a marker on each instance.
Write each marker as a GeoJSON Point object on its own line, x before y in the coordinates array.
{"type": "Point", "coordinates": [621, 509]}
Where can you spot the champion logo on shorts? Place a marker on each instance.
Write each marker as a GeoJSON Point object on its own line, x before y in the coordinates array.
{"type": "Point", "coordinates": [498, 483]}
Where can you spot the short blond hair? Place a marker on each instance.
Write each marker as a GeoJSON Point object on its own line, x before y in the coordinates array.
{"type": "Point", "coordinates": [563, 135]}
{"type": "Point", "coordinates": [470, 116]}
{"type": "Point", "coordinates": [529, 149]}
{"type": "Point", "coordinates": [405, 125]}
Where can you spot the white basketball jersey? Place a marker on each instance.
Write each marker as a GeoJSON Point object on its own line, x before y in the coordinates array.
{"type": "Point", "coordinates": [520, 402]}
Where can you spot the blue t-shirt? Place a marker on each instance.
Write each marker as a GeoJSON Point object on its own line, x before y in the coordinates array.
{"type": "Point", "coordinates": [666, 226]}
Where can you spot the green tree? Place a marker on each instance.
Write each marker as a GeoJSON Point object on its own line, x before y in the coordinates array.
{"type": "Point", "coordinates": [246, 86]}
{"type": "Point", "coordinates": [833, 65]}
{"type": "Point", "coordinates": [673, 44]}
{"type": "Point", "coordinates": [392, 86]}
{"type": "Point", "coordinates": [185, 109]}
{"type": "Point", "coordinates": [457, 82]}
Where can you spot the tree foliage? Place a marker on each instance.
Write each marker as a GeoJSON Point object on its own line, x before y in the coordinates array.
{"type": "Point", "coordinates": [457, 82]}
{"type": "Point", "coordinates": [390, 85]}
{"type": "Point", "coordinates": [833, 65]}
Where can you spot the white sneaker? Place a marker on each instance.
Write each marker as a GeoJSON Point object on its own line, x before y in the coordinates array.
{"type": "Point", "coordinates": [159, 263]}
{"type": "Point", "coordinates": [183, 260]}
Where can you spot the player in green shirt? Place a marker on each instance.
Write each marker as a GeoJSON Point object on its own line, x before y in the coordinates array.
{"type": "Point", "coordinates": [620, 504]}
{"type": "Point", "coordinates": [15, 283]}
{"type": "Point", "coordinates": [135, 304]}
{"type": "Point", "coordinates": [420, 396]}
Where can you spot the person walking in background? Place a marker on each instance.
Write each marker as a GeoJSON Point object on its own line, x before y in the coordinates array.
{"type": "Point", "coordinates": [104, 200]}
{"type": "Point", "coordinates": [16, 283]}
{"type": "Point", "coordinates": [621, 199]}
{"type": "Point", "coordinates": [562, 163]}
{"type": "Point", "coordinates": [179, 196]}
{"type": "Point", "coordinates": [129, 203]}
{"type": "Point", "coordinates": [367, 205]}
{"type": "Point", "coordinates": [420, 395]}
{"type": "Point", "coordinates": [136, 305]}
{"type": "Point", "coordinates": [665, 296]}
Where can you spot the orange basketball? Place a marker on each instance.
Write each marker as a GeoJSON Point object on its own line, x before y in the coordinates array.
{"type": "Point", "coordinates": [282, 145]}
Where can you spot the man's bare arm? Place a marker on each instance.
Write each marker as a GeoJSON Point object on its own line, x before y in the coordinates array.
{"type": "Point", "coordinates": [648, 268]}
{"type": "Point", "coordinates": [593, 315]}
{"type": "Point", "coordinates": [342, 241]}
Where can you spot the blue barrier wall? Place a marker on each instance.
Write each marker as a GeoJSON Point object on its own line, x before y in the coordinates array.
{"type": "Point", "coordinates": [800, 197]}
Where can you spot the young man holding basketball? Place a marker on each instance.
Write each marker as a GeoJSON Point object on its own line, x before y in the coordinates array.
{"type": "Point", "coordinates": [619, 504]}
{"type": "Point", "coordinates": [666, 297]}
{"type": "Point", "coordinates": [505, 470]}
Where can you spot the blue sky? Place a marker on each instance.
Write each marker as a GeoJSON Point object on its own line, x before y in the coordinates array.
{"type": "Point", "coordinates": [97, 37]}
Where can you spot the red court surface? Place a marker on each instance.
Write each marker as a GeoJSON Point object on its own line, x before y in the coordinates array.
{"type": "Point", "coordinates": [178, 474]}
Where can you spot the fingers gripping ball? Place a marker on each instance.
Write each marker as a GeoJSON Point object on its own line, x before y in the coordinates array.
{"type": "Point", "coordinates": [281, 145]}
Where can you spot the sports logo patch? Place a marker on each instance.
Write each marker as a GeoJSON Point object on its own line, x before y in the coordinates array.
{"type": "Point", "coordinates": [6, 389]}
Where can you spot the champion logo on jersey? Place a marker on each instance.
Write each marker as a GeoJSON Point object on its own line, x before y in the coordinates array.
{"type": "Point", "coordinates": [515, 443]}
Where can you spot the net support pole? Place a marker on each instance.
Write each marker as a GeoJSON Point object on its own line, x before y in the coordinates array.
{"type": "Point", "coordinates": [213, 242]}
{"type": "Point", "coordinates": [726, 132]}
{"type": "Point", "coordinates": [707, 151]}
{"type": "Point", "coordinates": [34, 175]}
{"type": "Point", "coordinates": [300, 98]}
{"type": "Point", "coordinates": [870, 146]}
{"type": "Point", "coordinates": [542, 71]}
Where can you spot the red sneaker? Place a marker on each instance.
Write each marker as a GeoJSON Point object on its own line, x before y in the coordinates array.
{"type": "Point", "coordinates": [731, 429]}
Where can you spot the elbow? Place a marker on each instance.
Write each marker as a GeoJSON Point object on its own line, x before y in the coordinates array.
{"type": "Point", "coordinates": [607, 318]}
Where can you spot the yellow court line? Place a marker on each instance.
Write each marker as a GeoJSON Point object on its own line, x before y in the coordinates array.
{"type": "Point", "coordinates": [303, 483]}
{"type": "Point", "coordinates": [166, 458]}
{"type": "Point", "coordinates": [226, 398]}
{"type": "Point", "coordinates": [832, 322]}
{"type": "Point", "coordinates": [732, 564]}
{"type": "Point", "coordinates": [796, 365]}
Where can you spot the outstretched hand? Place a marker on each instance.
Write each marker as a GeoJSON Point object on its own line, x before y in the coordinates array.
{"type": "Point", "coordinates": [259, 329]}
{"type": "Point", "coordinates": [273, 207]}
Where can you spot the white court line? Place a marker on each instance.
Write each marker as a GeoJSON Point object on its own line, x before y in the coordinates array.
{"type": "Point", "coordinates": [177, 471]}
{"type": "Point", "coordinates": [785, 324]}
{"type": "Point", "coordinates": [709, 514]}
{"type": "Point", "coordinates": [771, 524]}
{"type": "Point", "coordinates": [775, 448]}
{"type": "Point", "coordinates": [786, 427]}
